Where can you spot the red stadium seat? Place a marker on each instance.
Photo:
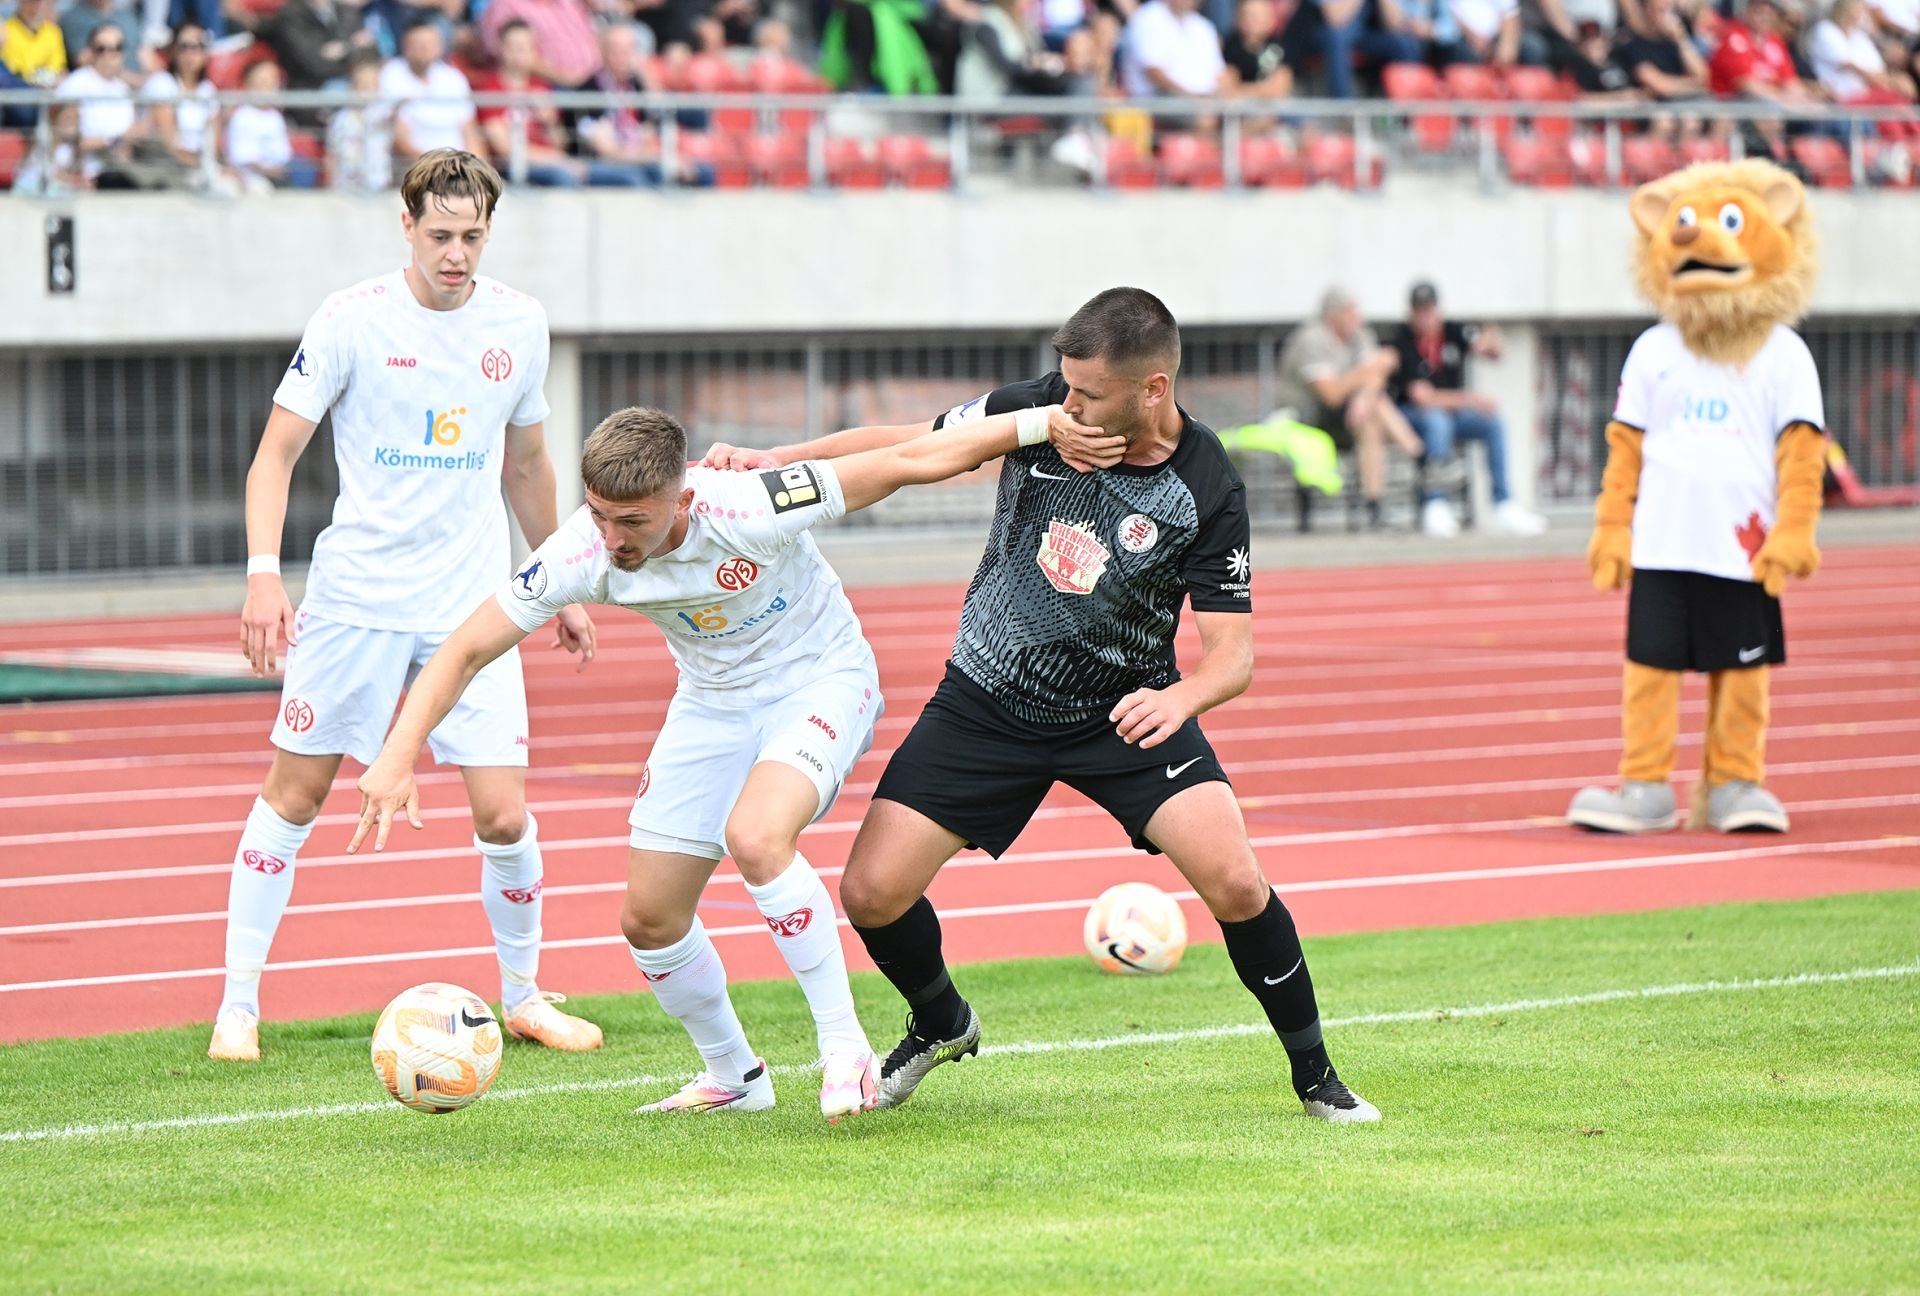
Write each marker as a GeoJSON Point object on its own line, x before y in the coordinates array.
{"type": "Point", "coordinates": [1826, 161]}
{"type": "Point", "coordinates": [1191, 160]}
{"type": "Point", "coordinates": [725, 154]}
{"type": "Point", "coordinates": [852, 165]}
{"type": "Point", "coordinates": [1644, 158]}
{"type": "Point", "coordinates": [1417, 83]}
{"type": "Point", "coordinates": [1266, 160]}
{"type": "Point", "coordinates": [783, 76]}
{"type": "Point", "coordinates": [14, 147]}
{"type": "Point", "coordinates": [779, 161]}
{"type": "Point", "coordinates": [1537, 160]}
{"type": "Point", "coordinates": [1531, 85]}
{"type": "Point", "coordinates": [1479, 84]}
{"type": "Point", "coordinates": [229, 69]}
{"type": "Point", "coordinates": [1128, 167]}
{"type": "Point", "coordinates": [911, 161]}
{"type": "Point", "coordinates": [1703, 150]}
{"type": "Point", "coordinates": [1331, 160]}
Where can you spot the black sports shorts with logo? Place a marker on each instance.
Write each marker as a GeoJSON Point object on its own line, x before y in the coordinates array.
{"type": "Point", "coordinates": [1687, 621]}
{"type": "Point", "coordinates": [980, 772]}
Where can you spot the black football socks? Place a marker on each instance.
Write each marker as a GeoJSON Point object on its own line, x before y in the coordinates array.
{"type": "Point", "coordinates": [907, 952]}
{"type": "Point", "coordinates": [1266, 953]}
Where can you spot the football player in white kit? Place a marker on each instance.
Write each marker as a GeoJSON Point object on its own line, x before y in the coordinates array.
{"type": "Point", "coordinates": [434, 377]}
{"type": "Point", "coordinates": [777, 698]}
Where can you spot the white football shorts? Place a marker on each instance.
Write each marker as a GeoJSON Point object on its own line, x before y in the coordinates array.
{"type": "Point", "coordinates": [342, 683]}
{"type": "Point", "coordinates": [704, 753]}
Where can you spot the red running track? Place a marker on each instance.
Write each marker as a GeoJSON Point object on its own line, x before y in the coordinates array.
{"type": "Point", "coordinates": [1411, 739]}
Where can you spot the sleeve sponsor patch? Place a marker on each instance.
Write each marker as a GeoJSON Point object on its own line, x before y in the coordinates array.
{"type": "Point", "coordinates": [973, 409]}
{"type": "Point", "coordinates": [530, 582]}
{"type": "Point", "coordinates": [792, 488]}
{"type": "Point", "coordinates": [305, 369]}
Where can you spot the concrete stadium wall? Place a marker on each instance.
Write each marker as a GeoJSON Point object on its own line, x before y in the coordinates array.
{"type": "Point", "coordinates": [161, 268]}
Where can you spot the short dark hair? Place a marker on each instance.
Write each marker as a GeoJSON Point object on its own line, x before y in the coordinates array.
{"type": "Point", "coordinates": [634, 454]}
{"type": "Point", "coordinates": [1125, 327]}
{"type": "Point", "coordinates": [512, 24]}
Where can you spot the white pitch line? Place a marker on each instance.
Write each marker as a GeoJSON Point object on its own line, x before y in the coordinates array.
{"type": "Point", "coordinates": [1015, 859]}
{"type": "Point", "coordinates": [1439, 877]}
{"type": "Point", "coordinates": [1020, 1048]}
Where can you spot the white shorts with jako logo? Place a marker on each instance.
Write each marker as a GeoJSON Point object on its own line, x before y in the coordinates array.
{"type": "Point", "coordinates": [704, 753]}
{"type": "Point", "coordinates": [343, 681]}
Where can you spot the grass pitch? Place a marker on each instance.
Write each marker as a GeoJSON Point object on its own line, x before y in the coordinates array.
{"type": "Point", "coordinates": [1543, 1136]}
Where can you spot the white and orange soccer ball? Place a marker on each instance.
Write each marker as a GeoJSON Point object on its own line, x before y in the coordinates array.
{"type": "Point", "coordinates": [1135, 929]}
{"type": "Point", "coordinates": [436, 1047]}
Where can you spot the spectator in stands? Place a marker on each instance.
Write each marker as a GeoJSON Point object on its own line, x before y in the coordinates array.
{"type": "Point", "coordinates": [1350, 27]}
{"type": "Point", "coordinates": [729, 23]}
{"type": "Point", "coordinates": [1560, 24]}
{"type": "Point", "coordinates": [360, 137]}
{"type": "Point", "coordinates": [108, 122]}
{"type": "Point", "coordinates": [1489, 30]}
{"type": "Point", "coordinates": [1255, 57]}
{"type": "Point", "coordinates": [182, 96]}
{"type": "Point", "coordinates": [1170, 49]}
{"type": "Point", "coordinates": [33, 53]}
{"type": "Point", "coordinates": [565, 40]}
{"type": "Point", "coordinates": [539, 125]}
{"type": "Point", "coordinates": [1848, 60]}
{"type": "Point", "coordinates": [619, 136]}
{"type": "Point", "coordinates": [1663, 61]}
{"type": "Point", "coordinates": [1597, 71]}
{"type": "Point", "coordinates": [315, 39]}
{"type": "Point", "coordinates": [435, 103]}
{"type": "Point", "coordinates": [258, 147]}
{"type": "Point", "coordinates": [1754, 64]}
{"type": "Point", "coordinates": [1430, 387]}
{"type": "Point", "coordinates": [773, 39]}
{"type": "Point", "coordinates": [1432, 24]}
{"type": "Point", "coordinates": [1002, 54]}
{"type": "Point", "coordinates": [83, 17]}
{"type": "Point", "coordinates": [1333, 375]}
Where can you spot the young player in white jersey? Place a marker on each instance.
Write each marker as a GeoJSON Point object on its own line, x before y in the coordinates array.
{"type": "Point", "coordinates": [777, 698]}
{"type": "Point", "coordinates": [433, 376]}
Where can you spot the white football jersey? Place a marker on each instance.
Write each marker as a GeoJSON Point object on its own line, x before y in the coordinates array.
{"type": "Point", "coordinates": [748, 605]}
{"type": "Point", "coordinates": [1708, 484]}
{"type": "Point", "coordinates": [421, 400]}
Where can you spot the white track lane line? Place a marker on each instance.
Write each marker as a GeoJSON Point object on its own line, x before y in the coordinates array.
{"type": "Point", "coordinates": [1377, 882]}
{"type": "Point", "coordinates": [1438, 1014]}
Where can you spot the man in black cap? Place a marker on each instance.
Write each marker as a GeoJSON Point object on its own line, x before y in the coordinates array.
{"type": "Point", "coordinates": [1430, 386]}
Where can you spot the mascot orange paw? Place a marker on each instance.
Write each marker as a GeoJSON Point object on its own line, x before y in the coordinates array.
{"type": "Point", "coordinates": [1783, 556]}
{"type": "Point", "coordinates": [1610, 556]}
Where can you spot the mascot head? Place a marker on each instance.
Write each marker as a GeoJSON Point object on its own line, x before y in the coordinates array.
{"type": "Point", "coordinates": [1726, 251]}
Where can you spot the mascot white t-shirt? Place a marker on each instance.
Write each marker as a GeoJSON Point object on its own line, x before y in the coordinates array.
{"type": "Point", "coordinates": [1707, 477]}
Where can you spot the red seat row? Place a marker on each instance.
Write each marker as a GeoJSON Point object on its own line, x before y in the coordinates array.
{"type": "Point", "coordinates": [780, 160]}
{"type": "Point", "coordinates": [1266, 161]}
{"type": "Point", "coordinates": [1555, 163]}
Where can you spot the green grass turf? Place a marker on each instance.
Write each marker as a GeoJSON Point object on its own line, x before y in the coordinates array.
{"type": "Point", "coordinates": [1751, 1141]}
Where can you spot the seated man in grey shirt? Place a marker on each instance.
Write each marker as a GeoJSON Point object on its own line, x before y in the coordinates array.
{"type": "Point", "coordinates": [1333, 375]}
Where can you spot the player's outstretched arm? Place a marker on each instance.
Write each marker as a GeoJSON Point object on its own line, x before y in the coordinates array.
{"type": "Point", "coordinates": [388, 786]}
{"type": "Point", "coordinates": [1150, 716]}
{"type": "Point", "coordinates": [872, 475]}
{"type": "Point", "coordinates": [835, 445]}
{"type": "Point", "coordinates": [268, 612]}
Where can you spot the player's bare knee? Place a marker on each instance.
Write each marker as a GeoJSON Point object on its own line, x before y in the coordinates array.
{"type": "Point", "coordinates": [868, 902]}
{"type": "Point", "coordinates": [760, 852]}
{"type": "Point", "coordinates": [295, 794]}
{"type": "Point", "coordinates": [649, 929]}
{"type": "Point", "coordinates": [1236, 898]}
{"type": "Point", "coordinates": [500, 825]}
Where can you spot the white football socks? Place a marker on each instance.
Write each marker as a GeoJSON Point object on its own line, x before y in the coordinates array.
{"type": "Point", "coordinates": [510, 891]}
{"type": "Point", "coordinates": [690, 982]}
{"type": "Point", "coordinates": [806, 932]}
{"type": "Point", "coordinates": [257, 895]}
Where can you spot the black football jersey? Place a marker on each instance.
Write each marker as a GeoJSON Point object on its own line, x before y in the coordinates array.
{"type": "Point", "coordinates": [1077, 598]}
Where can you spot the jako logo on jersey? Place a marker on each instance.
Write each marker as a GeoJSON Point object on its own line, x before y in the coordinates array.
{"type": "Point", "coordinates": [1071, 558]}
{"type": "Point", "coordinates": [825, 728]}
{"type": "Point", "coordinates": [791, 924]}
{"type": "Point", "coordinates": [530, 582]}
{"type": "Point", "coordinates": [263, 863]}
{"type": "Point", "coordinates": [298, 715]}
{"type": "Point", "coordinates": [1138, 533]}
{"type": "Point", "coordinates": [496, 364]}
{"type": "Point", "coordinates": [736, 574]}
{"type": "Point", "coordinates": [522, 895]}
{"type": "Point", "coordinates": [401, 362]}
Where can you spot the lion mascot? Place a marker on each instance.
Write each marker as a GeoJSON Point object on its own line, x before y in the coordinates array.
{"type": "Point", "coordinates": [1716, 452]}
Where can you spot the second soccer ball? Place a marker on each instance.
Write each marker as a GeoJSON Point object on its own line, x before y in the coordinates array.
{"type": "Point", "coordinates": [1134, 929]}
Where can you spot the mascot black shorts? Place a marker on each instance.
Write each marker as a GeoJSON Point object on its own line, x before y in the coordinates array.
{"type": "Point", "coordinates": [1684, 621]}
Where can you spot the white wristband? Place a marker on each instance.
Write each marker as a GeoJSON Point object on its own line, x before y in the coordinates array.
{"type": "Point", "coordinates": [1030, 425]}
{"type": "Point", "coordinates": [269, 563]}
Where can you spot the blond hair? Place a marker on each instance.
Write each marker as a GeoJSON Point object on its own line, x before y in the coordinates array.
{"type": "Point", "coordinates": [450, 173]}
{"type": "Point", "coordinates": [635, 454]}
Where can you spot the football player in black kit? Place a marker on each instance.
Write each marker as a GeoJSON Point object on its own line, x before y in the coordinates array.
{"type": "Point", "coordinates": [1063, 670]}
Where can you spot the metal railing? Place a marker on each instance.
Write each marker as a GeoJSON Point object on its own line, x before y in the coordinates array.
{"type": "Point", "coordinates": [1382, 131]}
